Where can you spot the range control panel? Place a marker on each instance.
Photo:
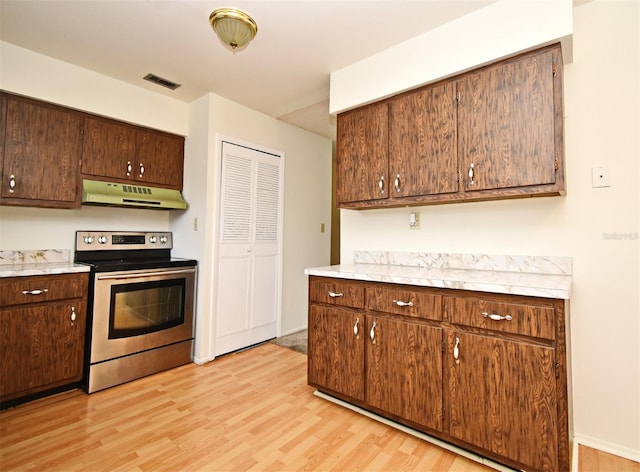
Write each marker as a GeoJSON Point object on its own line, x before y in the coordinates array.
{"type": "Point", "coordinates": [118, 240]}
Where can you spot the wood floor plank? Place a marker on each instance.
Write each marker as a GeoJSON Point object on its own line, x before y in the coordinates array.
{"type": "Point", "coordinates": [246, 411]}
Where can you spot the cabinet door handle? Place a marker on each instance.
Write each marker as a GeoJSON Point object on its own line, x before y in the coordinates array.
{"type": "Point", "coordinates": [141, 169]}
{"type": "Point", "coordinates": [12, 183]}
{"type": "Point", "coordinates": [456, 351]}
{"type": "Point", "coordinates": [496, 317]}
{"type": "Point", "coordinates": [355, 327]}
{"type": "Point", "coordinates": [129, 168]}
{"type": "Point", "coordinates": [471, 174]}
{"type": "Point", "coordinates": [372, 333]}
{"type": "Point", "coordinates": [401, 303]}
{"type": "Point", "coordinates": [381, 184]}
{"type": "Point", "coordinates": [335, 295]}
{"type": "Point", "coordinates": [396, 183]}
{"type": "Point", "coordinates": [38, 291]}
{"type": "Point", "coordinates": [73, 315]}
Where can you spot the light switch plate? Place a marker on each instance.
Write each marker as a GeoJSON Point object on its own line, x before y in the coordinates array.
{"type": "Point", "coordinates": [600, 176]}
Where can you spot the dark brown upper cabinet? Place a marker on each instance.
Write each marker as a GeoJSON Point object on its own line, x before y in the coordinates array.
{"type": "Point", "coordinates": [41, 148]}
{"type": "Point", "coordinates": [118, 151]}
{"type": "Point", "coordinates": [492, 133]}
{"type": "Point", "coordinates": [363, 146]}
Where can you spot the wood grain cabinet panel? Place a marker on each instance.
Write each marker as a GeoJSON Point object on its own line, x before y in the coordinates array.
{"type": "Point", "coordinates": [41, 334]}
{"type": "Point", "coordinates": [160, 158]}
{"type": "Point", "coordinates": [336, 350]}
{"type": "Point", "coordinates": [502, 398]}
{"type": "Point", "coordinates": [527, 318]}
{"type": "Point", "coordinates": [404, 370]}
{"type": "Point", "coordinates": [108, 149]}
{"type": "Point", "coordinates": [41, 149]}
{"type": "Point", "coordinates": [418, 303]}
{"type": "Point", "coordinates": [363, 147]}
{"type": "Point", "coordinates": [506, 124]}
{"type": "Point", "coordinates": [41, 288]}
{"type": "Point", "coordinates": [337, 292]}
{"type": "Point", "coordinates": [423, 158]}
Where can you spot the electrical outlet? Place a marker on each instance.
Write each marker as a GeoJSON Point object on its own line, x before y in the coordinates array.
{"type": "Point", "coordinates": [600, 176]}
{"type": "Point", "coordinates": [414, 220]}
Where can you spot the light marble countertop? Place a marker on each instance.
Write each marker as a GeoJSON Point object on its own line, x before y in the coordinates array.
{"type": "Point", "coordinates": [38, 262]}
{"type": "Point", "coordinates": [548, 277]}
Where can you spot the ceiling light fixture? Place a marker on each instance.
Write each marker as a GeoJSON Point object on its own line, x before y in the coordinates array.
{"type": "Point", "coordinates": [234, 27]}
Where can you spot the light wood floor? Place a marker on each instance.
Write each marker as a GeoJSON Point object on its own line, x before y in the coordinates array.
{"type": "Point", "coordinates": [246, 411]}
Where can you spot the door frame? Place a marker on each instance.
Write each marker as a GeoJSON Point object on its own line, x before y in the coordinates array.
{"type": "Point", "coordinates": [215, 231]}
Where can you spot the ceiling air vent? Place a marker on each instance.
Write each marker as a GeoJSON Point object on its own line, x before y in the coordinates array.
{"type": "Point", "coordinates": [160, 81]}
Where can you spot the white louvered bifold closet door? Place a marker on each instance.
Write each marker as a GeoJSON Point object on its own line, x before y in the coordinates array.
{"type": "Point", "coordinates": [249, 258]}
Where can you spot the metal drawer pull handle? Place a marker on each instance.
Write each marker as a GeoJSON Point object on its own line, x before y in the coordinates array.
{"type": "Point", "coordinates": [73, 315]}
{"type": "Point", "coordinates": [35, 292]}
{"type": "Point", "coordinates": [12, 183]}
{"type": "Point", "coordinates": [456, 351]}
{"type": "Point", "coordinates": [396, 183]}
{"type": "Point", "coordinates": [496, 317]}
{"type": "Point", "coordinates": [355, 327]}
{"type": "Point", "coordinates": [372, 333]}
{"type": "Point", "coordinates": [401, 303]}
{"type": "Point", "coordinates": [471, 173]}
{"type": "Point", "coordinates": [381, 184]}
{"type": "Point", "coordinates": [335, 295]}
{"type": "Point", "coordinates": [129, 168]}
{"type": "Point", "coordinates": [141, 169]}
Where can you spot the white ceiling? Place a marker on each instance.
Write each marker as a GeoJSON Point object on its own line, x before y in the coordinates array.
{"type": "Point", "coordinates": [283, 73]}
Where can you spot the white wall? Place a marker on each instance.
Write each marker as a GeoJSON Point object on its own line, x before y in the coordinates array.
{"type": "Point", "coordinates": [496, 31]}
{"type": "Point", "coordinates": [307, 178]}
{"type": "Point", "coordinates": [307, 202]}
{"type": "Point", "coordinates": [601, 128]}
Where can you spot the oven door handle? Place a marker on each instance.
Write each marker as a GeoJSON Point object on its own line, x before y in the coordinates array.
{"type": "Point", "coordinates": [138, 275]}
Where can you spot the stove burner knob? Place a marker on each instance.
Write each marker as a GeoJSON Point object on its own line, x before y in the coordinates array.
{"type": "Point", "coordinates": [153, 239]}
{"type": "Point", "coordinates": [163, 239]}
{"type": "Point", "coordinates": [88, 239]}
{"type": "Point", "coordinates": [102, 239]}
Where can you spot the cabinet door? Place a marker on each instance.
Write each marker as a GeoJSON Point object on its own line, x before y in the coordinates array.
{"type": "Point", "coordinates": [423, 158]}
{"type": "Point", "coordinates": [41, 347]}
{"type": "Point", "coordinates": [41, 153]}
{"type": "Point", "coordinates": [501, 395]}
{"type": "Point", "coordinates": [506, 124]}
{"type": "Point", "coordinates": [336, 350]}
{"type": "Point", "coordinates": [404, 370]}
{"type": "Point", "coordinates": [108, 149]}
{"type": "Point", "coordinates": [160, 158]}
{"type": "Point", "coordinates": [362, 154]}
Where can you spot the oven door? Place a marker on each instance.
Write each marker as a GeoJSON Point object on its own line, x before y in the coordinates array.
{"type": "Point", "coordinates": [134, 311]}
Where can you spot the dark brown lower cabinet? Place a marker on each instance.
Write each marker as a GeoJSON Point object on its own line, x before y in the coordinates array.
{"type": "Point", "coordinates": [336, 350]}
{"type": "Point", "coordinates": [501, 398]}
{"type": "Point", "coordinates": [41, 339]}
{"type": "Point", "coordinates": [404, 370]}
{"type": "Point", "coordinates": [486, 372]}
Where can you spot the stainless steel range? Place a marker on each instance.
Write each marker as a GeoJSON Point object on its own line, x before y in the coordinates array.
{"type": "Point", "coordinates": [142, 306]}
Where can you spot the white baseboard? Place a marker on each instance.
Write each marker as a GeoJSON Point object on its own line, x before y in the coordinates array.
{"type": "Point", "coordinates": [201, 361]}
{"type": "Point", "coordinates": [610, 448]}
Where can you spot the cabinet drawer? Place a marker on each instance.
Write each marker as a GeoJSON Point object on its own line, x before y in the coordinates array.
{"type": "Point", "coordinates": [336, 292]}
{"type": "Point", "coordinates": [42, 288]}
{"type": "Point", "coordinates": [509, 317]}
{"type": "Point", "coordinates": [416, 302]}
